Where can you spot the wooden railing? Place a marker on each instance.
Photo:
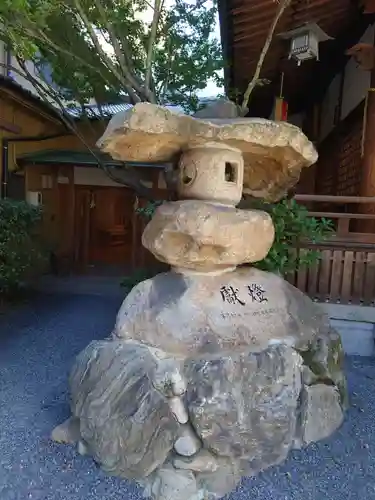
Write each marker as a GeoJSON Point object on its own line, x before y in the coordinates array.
{"type": "Point", "coordinates": [346, 271]}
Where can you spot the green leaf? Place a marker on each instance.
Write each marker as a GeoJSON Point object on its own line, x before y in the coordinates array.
{"type": "Point", "coordinates": [292, 224]}
{"type": "Point", "coordinates": [20, 249]}
{"type": "Point", "coordinates": [56, 34]}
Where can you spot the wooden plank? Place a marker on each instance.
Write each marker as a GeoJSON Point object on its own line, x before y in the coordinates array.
{"type": "Point", "coordinates": [292, 276]}
{"type": "Point", "coordinates": [323, 198]}
{"type": "Point", "coordinates": [325, 274]}
{"type": "Point", "coordinates": [339, 215]}
{"type": "Point", "coordinates": [302, 275]}
{"type": "Point", "coordinates": [312, 286]}
{"type": "Point", "coordinates": [10, 127]}
{"type": "Point", "coordinates": [334, 244]}
{"type": "Point", "coordinates": [347, 278]}
{"type": "Point", "coordinates": [355, 237]}
{"type": "Point", "coordinates": [343, 227]}
{"type": "Point", "coordinates": [369, 282]}
{"type": "Point", "coordinates": [359, 275]}
{"type": "Point", "coordinates": [336, 278]}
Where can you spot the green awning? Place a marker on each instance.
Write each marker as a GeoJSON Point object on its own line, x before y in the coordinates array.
{"type": "Point", "coordinates": [76, 158]}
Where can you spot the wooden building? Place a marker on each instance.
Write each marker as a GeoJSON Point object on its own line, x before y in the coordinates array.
{"type": "Point", "coordinates": [326, 97]}
{"type": "Point", "coordinates": [333, 100]}
{"type": "Point", "coordinates": [89, 221]}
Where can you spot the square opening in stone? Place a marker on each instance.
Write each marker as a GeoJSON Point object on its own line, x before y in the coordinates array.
{"type": "Point", "coordinates": [230, 172]}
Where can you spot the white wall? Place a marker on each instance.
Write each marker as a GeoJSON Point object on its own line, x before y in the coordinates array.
{"type": "Point", "coordinates": [356, 83]}
{"type": "Point", "coordinates": [356, 80]}
{"type": "Point", "coordinates": [331, 101]}
{"type": "Point", "coordinates": [92, 176]}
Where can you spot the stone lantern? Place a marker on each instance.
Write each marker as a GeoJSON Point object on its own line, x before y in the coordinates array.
{"type": "Point", "coordinates": [214, 370]}
{"type": "Point", "coordinates": [212, 172]}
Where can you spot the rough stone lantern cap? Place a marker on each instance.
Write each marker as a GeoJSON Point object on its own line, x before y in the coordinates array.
{"type": "Point", "coordinates": [274, 152]}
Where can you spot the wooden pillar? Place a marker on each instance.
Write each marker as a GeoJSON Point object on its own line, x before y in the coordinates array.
{"type": "Point", "coordinates": [368, 161]}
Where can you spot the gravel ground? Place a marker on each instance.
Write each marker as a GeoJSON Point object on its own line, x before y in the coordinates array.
{"type": "Point", "coordinates": [38, 343]}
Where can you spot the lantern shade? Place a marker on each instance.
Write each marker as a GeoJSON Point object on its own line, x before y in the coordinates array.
{"type": "Point", "coordinates": [305, 41]}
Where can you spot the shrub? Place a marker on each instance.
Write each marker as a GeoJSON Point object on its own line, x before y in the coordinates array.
{"type": "Point", "coordinates": [292, 225]}
{"type": "Point", "coordinates": [20, 253]}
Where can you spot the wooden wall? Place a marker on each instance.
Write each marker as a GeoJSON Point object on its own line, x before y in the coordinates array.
{"type": "Point", "coordinates": [19, 118]}
{"type": "Point", "coordinates": [338, 170]}
{"type": "Point", "coordinates": [23, 118]}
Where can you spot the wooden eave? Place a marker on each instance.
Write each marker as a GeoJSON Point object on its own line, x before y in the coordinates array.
{"type": "Point", "coordinates": [244, 28]}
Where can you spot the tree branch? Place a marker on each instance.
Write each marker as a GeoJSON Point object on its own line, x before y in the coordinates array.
{"type": "Point", "coordinates": [283, 4]}
{"type": "Point", "coordinates": [122, 56]}
{"type": "Point", "coordinates": [44, 90]}
{"type": "Point", "coordinates": [158, 6]}
{"type": "Point", "coordinates": [164, 84]}
{"type": "Point", "coordinates": [129, 84]}
{"type": "Point", "coordinates": [127, 176]}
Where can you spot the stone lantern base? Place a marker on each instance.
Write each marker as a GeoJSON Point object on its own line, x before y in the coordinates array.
{"type": "Point", "coordinates": [206, 379]}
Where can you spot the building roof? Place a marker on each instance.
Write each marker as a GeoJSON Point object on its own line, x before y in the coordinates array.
{"type": "Point", "coordinates": [77, 158]}
{"type": "Point", "coordinates": [93, 111]}
{"type": "Point", "coordinates": [244, 28]}
{"type": "Point", "coordinates": [8, 83]}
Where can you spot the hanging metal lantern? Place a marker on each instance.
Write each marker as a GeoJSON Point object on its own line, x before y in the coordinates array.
{"type": "Point", "coordinates": [304, 42]}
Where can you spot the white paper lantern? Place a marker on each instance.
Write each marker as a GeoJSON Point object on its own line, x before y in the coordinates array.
{"type": "Point", "coordinates": [304, 42]}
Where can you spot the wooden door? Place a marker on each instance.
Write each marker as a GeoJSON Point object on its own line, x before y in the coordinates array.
{"type": "Point", "coordinates": [82, 228]}
{"type": "Point", "coordinates": [111, 227]}
{"type": "Point", "coordinates": [66, 218]}
{"type": "Point", "coordinates": [104, 225]}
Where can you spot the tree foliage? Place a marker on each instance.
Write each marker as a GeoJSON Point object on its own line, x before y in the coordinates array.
{"type": "Point", "coordinates": [293, 226]}
{"type": "Point", "coordinates": [108, 50]}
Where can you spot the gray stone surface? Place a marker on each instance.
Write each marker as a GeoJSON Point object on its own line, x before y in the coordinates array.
{"type": "Point", "coordinates": [221, 108]}
{"type": "Point", "coordinates": [189, 314]}
{"type": "Point", "coordinates": [222, 481]}
{"type": "Point", "coordinates": [206, 237]}
{"type": "Point", "coordinates": [168, 483]}
{"type": "Point", "coordinates": [126, 423]}
{"type": "Point", "coordinates": [321, 412]}
{"type": "Point", "coordinates": [241, 365]}
{"type": "Point", "coordinates": [204, 461]}
{"type": "Point", "coordinates": [193, 314]}
{"type": "Point", "coordinates": [68, 432]}
{"type": "Point", "coordinates": [187, 444]}
{"type": "Point", "coordinates": [323, 361]}
{"type": "Point", "coordinates": [245, 406]}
